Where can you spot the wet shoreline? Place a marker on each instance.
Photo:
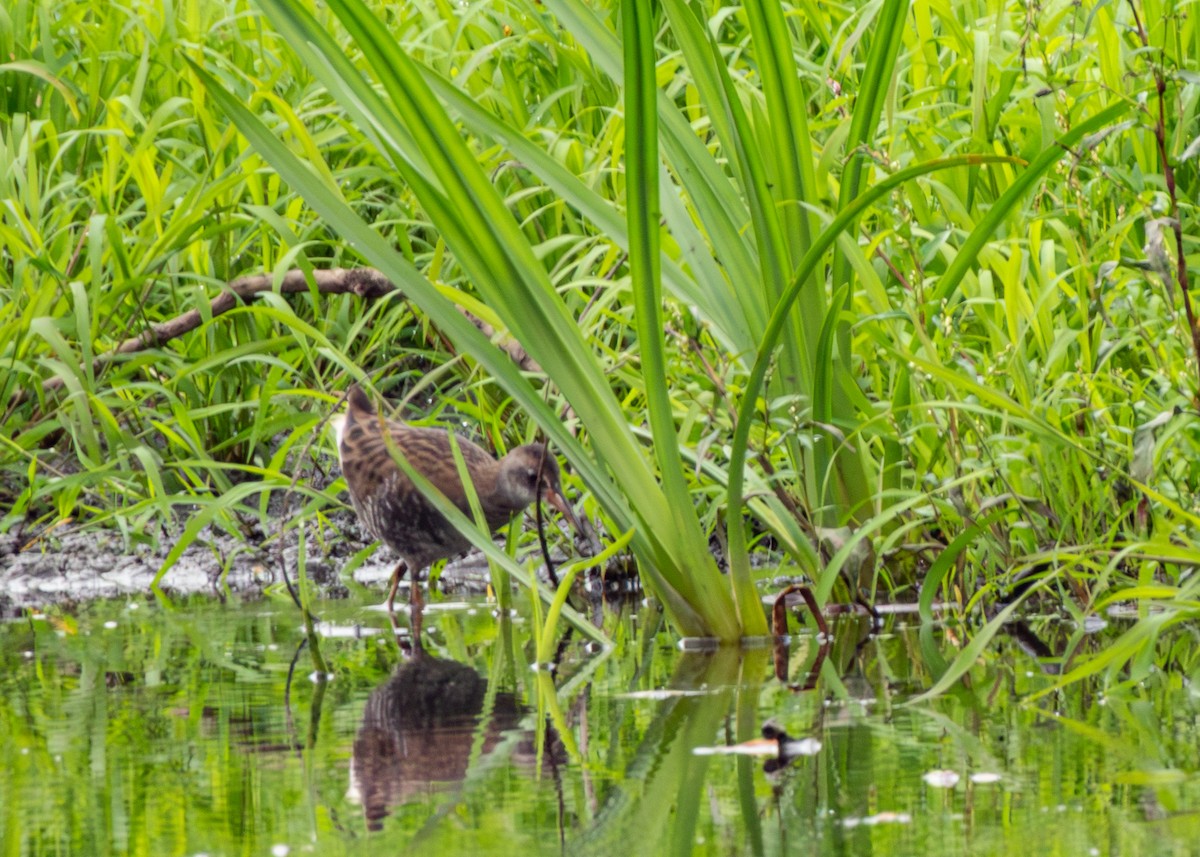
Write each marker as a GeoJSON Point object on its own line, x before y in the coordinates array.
{"type": "Point", "coordinates": [87, 565]}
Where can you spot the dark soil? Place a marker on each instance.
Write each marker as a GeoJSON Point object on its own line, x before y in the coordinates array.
{"type": "Point", "coordinates": [85, 564]}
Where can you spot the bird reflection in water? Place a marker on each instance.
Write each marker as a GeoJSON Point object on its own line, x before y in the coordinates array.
{"type": "Point", "coordinates": [420, 728]}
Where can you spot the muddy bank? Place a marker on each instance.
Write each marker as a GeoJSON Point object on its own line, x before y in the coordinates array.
{"type": "Point", "coordinates": [83, 565]}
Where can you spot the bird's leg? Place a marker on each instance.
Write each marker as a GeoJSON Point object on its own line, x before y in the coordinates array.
{"type": "Point", "coordinates": [398, 573]}
{"type": "Point", "coordinates": [405, 650]}
{"type": "Point", "coordinates": [415, 601]}
{"type": "Point", "coordinates": [416, 615]}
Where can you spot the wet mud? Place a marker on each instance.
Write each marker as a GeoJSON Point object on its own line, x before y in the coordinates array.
{"type": "Point", "coordinates": [73, 566]}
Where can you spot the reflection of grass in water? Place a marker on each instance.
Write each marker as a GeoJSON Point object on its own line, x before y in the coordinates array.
{"type": "Point", "coordinates": [168, 731]}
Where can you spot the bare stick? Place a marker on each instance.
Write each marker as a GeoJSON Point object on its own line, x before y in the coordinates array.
{"type": "Point", "coordinates": [367, 283]}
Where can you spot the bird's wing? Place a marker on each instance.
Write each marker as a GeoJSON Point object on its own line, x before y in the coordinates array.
{"type": "Point", "coordinates": [428, 450]}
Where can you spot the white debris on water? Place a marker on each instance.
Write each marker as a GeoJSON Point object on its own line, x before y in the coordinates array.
{"type": "Point", "coordinates": [880, 818]}
{"type": "Point", "coordinates": [941, 779]}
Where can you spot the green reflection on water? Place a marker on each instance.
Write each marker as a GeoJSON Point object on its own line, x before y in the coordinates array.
{"type": "Point", "coordinates": [143, 730]}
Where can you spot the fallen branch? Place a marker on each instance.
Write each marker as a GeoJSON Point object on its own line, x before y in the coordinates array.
{"type": "Point", "coordinates": [367, 283]}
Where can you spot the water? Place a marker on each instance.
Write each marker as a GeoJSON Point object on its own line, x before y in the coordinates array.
{"type": "Point", "coordinates": [202, 728]}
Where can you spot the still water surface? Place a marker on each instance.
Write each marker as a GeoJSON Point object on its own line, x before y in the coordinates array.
{"type": "Point", "coordinates": [204, 728]}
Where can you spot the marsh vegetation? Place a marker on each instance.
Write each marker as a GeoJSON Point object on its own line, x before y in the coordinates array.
{"type": "Point", "coordinates": [895, 294]}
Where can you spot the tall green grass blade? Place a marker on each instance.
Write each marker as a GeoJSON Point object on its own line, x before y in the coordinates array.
{"type": "Point", "coordinates": [715, 200]}
{"type": "Point", "coordinates": [754, 385]}
{"type": "Point", "coordinates": [778, 206]}
{"type": "Point", "coordinates": [642, 211]}
{"type": "Point", "coordinates": [791, 143]}
{"type": "Point", "coordinates": [873, 87]}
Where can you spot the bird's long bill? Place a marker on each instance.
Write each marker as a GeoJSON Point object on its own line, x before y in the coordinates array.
{"type": "Point", "coordinates": [556, 499]}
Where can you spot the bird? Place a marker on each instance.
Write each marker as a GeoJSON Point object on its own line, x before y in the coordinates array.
{"type": "Point", "coordinates": [394, 511]}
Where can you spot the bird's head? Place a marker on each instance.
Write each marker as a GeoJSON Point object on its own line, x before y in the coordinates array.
{"type": "Point", "coordinates": [529, 472]}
